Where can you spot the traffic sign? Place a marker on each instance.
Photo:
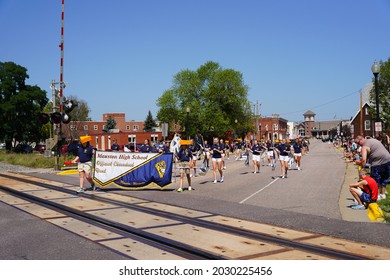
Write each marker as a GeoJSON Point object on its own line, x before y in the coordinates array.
{"type": "Point", "coordinates": [378, 126]}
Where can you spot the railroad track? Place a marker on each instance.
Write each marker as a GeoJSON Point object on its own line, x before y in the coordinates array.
{"type": "Point", "coordinates": [141, 229]}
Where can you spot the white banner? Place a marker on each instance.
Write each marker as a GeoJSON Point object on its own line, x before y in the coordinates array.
{"type": "Point", "coordinates": [111, 165]}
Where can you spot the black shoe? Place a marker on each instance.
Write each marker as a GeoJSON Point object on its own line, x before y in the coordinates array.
{"type": "Point", "coordinates": [95, 188]}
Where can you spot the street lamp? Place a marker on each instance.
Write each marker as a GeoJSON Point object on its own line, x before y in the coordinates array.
{"type": "Point", "coordinates": [375, 70]}
{"type": "Point", "coordinates": [188, 123]}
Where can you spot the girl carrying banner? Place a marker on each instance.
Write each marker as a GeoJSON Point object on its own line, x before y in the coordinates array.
{"type": "Point", "coordinates": [84, 157]}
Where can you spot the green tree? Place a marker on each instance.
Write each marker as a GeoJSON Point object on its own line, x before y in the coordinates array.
{"type": "Point", "coordinates": [383, 93]}
{"type": "Point", "coordinates": [149, 122]}
{"type": "Point", "coordinates": [20, 105]}
{"type": "Point", "coordinates": [215, 96]}
{"type": "Point", "coordinates": [110, 124]}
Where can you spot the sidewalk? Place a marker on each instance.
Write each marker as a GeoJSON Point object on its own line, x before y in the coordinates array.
{"type": "Point", "coordinates": [346, 200]}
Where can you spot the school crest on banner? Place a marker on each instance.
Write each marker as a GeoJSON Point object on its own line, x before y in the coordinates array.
{"type": "Point", "coordinates": [133, 170]}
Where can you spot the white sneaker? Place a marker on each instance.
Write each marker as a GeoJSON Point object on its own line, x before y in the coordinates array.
{"type": "Point", "coordinates": [381, 196]}
{"type": "Point", "coordinates": [299, 168]}
{"type": "Point", "coordinates": [221, 179]}
{"type": "Point", "coordinates": [189, 188]}
{"type": "Point", "coordinates": [215, 181]}
{"type": "Point", "coordinates": [179, 190]}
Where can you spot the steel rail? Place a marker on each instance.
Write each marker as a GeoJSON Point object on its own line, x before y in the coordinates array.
{"type": "Point", "coordinates": [329, 252]}
{"type": "Point", "coordinates": [181, 249]}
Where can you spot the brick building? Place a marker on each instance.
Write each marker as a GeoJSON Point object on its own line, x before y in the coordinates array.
{"type": "Point", "coordinates": [363, 123]}
{"type": "Point", "coordinates": [272, 128]}
{"type": "Point", "coordinates": [308, 123]}
{"type": "Point", "coordinates": [125, 132]}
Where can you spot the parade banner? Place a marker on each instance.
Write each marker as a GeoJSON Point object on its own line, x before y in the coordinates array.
{"type": "Point", "coordinates": [133, 170]}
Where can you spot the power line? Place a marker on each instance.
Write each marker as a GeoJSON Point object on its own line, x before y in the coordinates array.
{"type": "Point", "coordinates": [321, 105]}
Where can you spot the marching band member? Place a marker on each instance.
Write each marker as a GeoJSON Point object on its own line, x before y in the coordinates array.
{"type": "Point", "coordinates": [85, 153]}
{"type": "Point", "coordinates": [184, 156]}
{"type": "Point", "coordinates": [256, 151]}
{"type": "Point", "coordinates": [217, 151]}
{"type": "Point", "coordinates": [283, 150]}
{"type": "Point", "coordinates": [270, 154]}
{"type": "Point", "coordinates": [206, 150]}
{"type": "Point", "coordinates": [195, 151]}
{"type": "Point", "coordinates": [222, 144]}
{"type": "Point", "coordinates": [298, 153]}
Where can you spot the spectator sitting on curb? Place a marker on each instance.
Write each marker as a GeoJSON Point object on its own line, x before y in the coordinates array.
{"type": "Point", "coordinates": [364, 191]}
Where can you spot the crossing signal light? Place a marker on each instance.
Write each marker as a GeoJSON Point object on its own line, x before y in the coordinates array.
{"type": "Point", "coordinates": [56, 117]}
{"type": "Point", "coordinates": [69, 105]}
{"type": "Point", "coordinates": [43, 118]}
{"type": "Point", "coordinates": [65, 118]}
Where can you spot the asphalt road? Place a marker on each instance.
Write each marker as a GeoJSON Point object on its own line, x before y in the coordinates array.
{"type": "Point", "coordinates": [308, 200]}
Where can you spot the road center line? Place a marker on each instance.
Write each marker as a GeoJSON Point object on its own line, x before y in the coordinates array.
{"type": "Point", "coordinates": [242, 201]}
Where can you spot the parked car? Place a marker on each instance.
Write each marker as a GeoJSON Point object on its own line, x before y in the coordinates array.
{"type": "Point", "coordinates": [2, 146]}
{"type": "Point", "coordinates": [41, 148]}
{"type": "Point", "coordinates": [23, 148]}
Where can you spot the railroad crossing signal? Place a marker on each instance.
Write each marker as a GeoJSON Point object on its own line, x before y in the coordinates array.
{"type": "Point", "coordinates": [57, 117]}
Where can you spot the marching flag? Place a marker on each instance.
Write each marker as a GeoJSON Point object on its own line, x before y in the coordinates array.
{"type": "Point", "coordinates": [133, 170]}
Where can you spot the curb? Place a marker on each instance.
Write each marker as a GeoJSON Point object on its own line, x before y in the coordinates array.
{"type": "Point", "coordinates": [68, 172]}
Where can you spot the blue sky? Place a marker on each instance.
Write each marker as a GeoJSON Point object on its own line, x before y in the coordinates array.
{"type": "Point", "coordinates": [121, 55]}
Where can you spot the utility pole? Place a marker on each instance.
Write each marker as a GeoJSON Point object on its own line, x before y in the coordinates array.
{"type": "Point", "coordinates": [58, 127]}
{"type": "Point", "coordinates": [257, 115]}
{"type": "Point", "coordinates": [61, 105]}
{"type": "Point", "coordinates": [361, 114]}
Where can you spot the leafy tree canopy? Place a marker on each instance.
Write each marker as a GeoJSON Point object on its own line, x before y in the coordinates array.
{"type": "Point", "coordinates": [20, 105]}
{"type": "Point", "coordinates": [215, 97]}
